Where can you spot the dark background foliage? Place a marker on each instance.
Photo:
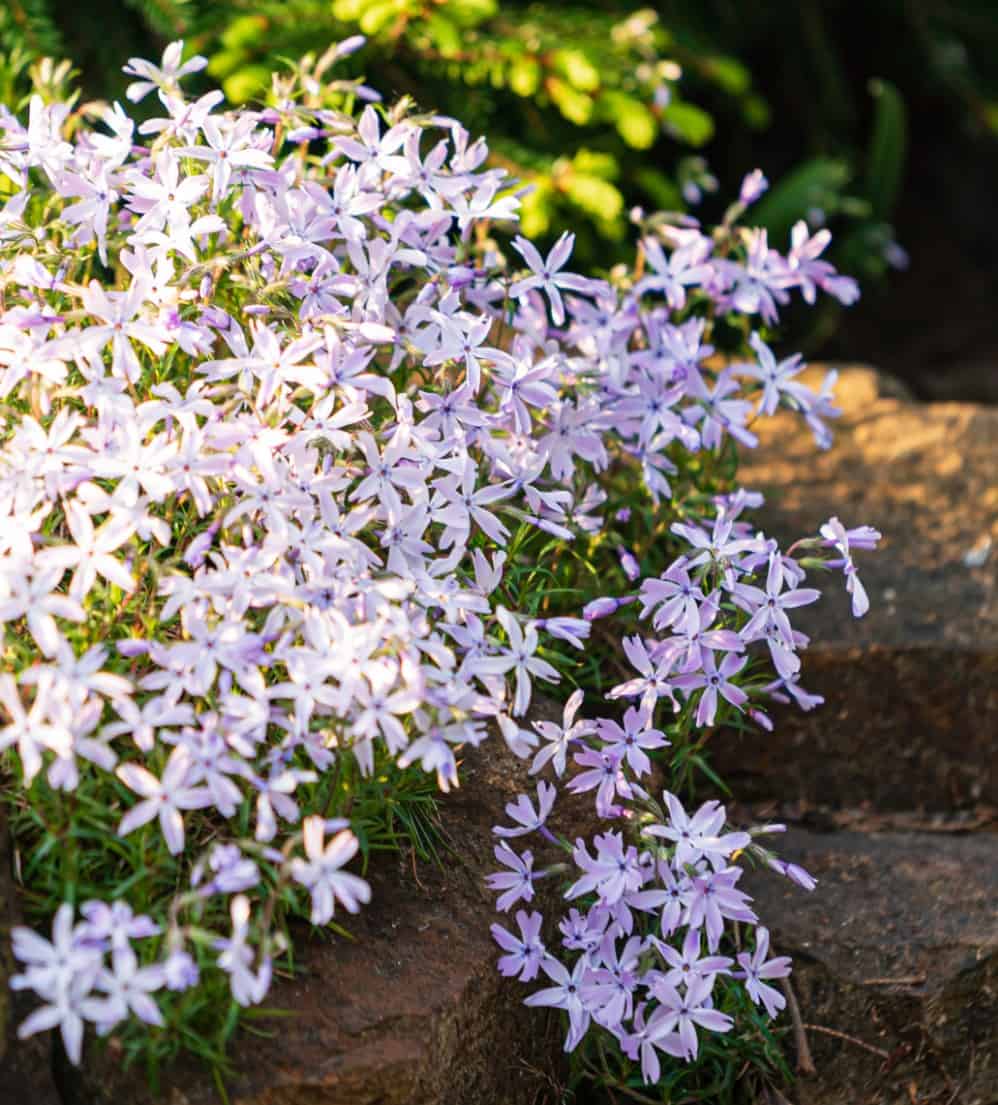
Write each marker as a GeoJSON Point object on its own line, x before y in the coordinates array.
{"type": "Point", "coordinates": [881, 116]}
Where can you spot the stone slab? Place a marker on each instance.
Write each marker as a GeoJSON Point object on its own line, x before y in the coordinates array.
{"type": "Point", "coordinates": [896, 949]}
{"type": "Point", "coordinates": [911, 713]}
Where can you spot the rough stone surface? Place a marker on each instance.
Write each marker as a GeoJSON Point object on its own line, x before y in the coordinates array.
{"type": "Point", "coordinates": [412, 1012]}
{"type": "Point", "coordinates": [911, 714]}
{"type": "Point", "coordinates": [897, 949]}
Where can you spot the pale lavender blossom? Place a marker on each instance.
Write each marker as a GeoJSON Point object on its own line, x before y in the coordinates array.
{"type": "Point", "coordinates": [758, 971]}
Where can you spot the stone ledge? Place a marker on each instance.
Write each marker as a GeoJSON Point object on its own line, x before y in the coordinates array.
{"type": "Point", "coordinates": [898, 948]}
{"type": "Point", "coordinates": [911, 713]}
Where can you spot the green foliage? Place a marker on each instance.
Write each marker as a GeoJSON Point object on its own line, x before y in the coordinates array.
{"type": "Point", "coordinates": [553, 84]}
{"type": "Point", "coordinates": [887, 148]}
{"type": "Point", "coordinates": [549, 83]}
{"type": "Point", "coordinates": [545, 82]}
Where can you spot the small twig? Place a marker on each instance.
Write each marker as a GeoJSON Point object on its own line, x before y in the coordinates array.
{"type": "Point", "coordinates": [905, 980]}
{"type": "Point", "coordinates": [805, 1063]}
{"type": "Point", "coordinates": [415, 873]}
{"type": "Point", "coordinates": [848, 1039]}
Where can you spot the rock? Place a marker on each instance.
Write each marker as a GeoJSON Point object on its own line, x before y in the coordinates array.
{"type": "Point", "coordinates": [911, 713]}
{"type": "Point", "coordinates": [410, 1012]}
{"type": "Point", "coordinates": [897, 948]}
{"type": "Point", "coordinates": [25, 1065]}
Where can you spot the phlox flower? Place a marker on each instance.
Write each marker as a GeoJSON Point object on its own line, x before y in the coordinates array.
{"type": "Point", "coordinates": [163, 798]}
{"type": "Point", "coordinates": [236, 957]}
{"type": "Point", "coordinates": [524, 953]}
{"type": "Point", "coordinates": [843, 541]}
{"type": "Point", "coordinates": [566, 994]}
{"type": "Point", "coordinates": [685, 1012]}
{"type": "Point", "coordinates": [517, 884]}
{"type": "Point", "coordinates": [547, 275]}
{"type": "Point", "coordinates": [700, 836]}
{"type": "Point", "coordinates": [758, 970]}
{"type": "Point", "coordinates": [560, 738]}
{"type": "Point", "coordinates": [63, 973]}
{"type": "Point", "coordinates": [633, 740]}
{"type": "Point", "coordinates": [522, 811]}
{"type": "Point", "coordinates": [322, 875]}
{"type": "Point", "coordinates": [519, 657]}
{"type": "Point", "coordinates": [164, 76]}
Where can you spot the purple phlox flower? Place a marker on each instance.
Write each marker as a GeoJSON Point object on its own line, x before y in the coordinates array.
{"type": "Point", "coordinates": [583, 932]}
{"type": "Point", "coordinates": [696, 641]}
{"type": "Point", "coordinates": [521, 742]}
{"type": "Point", "coordinates": [560, 737]}
{"type": "Point", "coordinates": [787, 688]}
{"type": "Point", "coordinates": [629, 563]}
{"type": "Point", "coordinates": [518, 882]}
{"type": "Point", "coordinates": [63, 973]}
{"type": "Point", "coordinates": [668, 894]}
{"type": "Point", "coordinates": [757, 285]}
{"type": "Point", "coordinates": [838, 537]}
{"type": "Point", "coordinates": [700, 836]}
{"type": "Point", "coordinates": [685, 266]}
{"type": "Point", "coordinates": [605, 775]}
{"type": "Point", "coordinates": [572, 630]}
{"type": "Point", "coordinates": [573, 430]}
{"type": "Point", "coordinates": [519, 657]}
{"type": "Point", "coordinates": [321, 873]}
{"type": "Point", "coordinates": [32, 731]}
{"type": "Point", "coordinates": [721, 546]}
{"type": "Point", "coordinates": [604, 607]}
{"type": "Point", "coordinates": [180, 972]}
{"type": "Point", "coordinates": [129, 989]}
{"type": "Point", "coordinates": [653, 681]}
{"type": "Point", "coordinates": [165, 76]}
{"type": "Point", "coordinates": [861, 537]}
{"type": "Point", "coordinates": [684, 1012]}
{"type": "Point", "coordinates": [114, 924]}
{"type": "Point", "coordinates": [653, 404]}
{"type": "Point", "coordinates": [611, 873]}
{"type": "Point", "coordinates": [231, 871]}
{"type": "Point", "coordinates": [793, 872]}
{"type": "Point", "coordinates": [770, 606]}
{"type": "Point", "coordinates": [521, 385]}
{"type": "Point", "coordinates": [632, 741]}
{"type": "Point", "coordinates": [236, 957]}
{"type": "Point", "coordinates": [522, 811]}
{"type": "Point", "coordinates": [546, 275]}
{"type": "Point", "coordinates": [754, 184]}
{"type": "Point", "coordinates": [712, 898]}
{"type": "Point", "coordinates": [609, 990]}
{"type": "Point", "coordinates": [657, 1033]}
{"type": "Point", "coordinates": [459, 503]}
{"type": "Point", "coordinates": [566, 994]}
{"type": "Point", "coordinates": [757, 970]}
{"type": "Point", "coordinates": [163, 798]}
{"type": "Point", "coordinates": [773, 375]}
{"type": "Point", "coordinates": [673, 596]}
{"type": "Point", "coordinates": [805, 270]}
{"type": "Point", "coordinates": [524, 952]}
{"type": "Point", "coordinates": [816, 406]}
{"type": "Point", "coordinates": [687, 965]}
{"type": "Point", "coordinates": [714, 680]}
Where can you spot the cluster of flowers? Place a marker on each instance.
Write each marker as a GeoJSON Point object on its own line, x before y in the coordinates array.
{"type": "Point", "coordinates": [273, 418]}
{"type": "Point", "coordinates": [664, 883]}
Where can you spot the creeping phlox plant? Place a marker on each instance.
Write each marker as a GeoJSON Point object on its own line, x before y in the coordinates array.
{"type": "Point", "coordinates": [303, 483]}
